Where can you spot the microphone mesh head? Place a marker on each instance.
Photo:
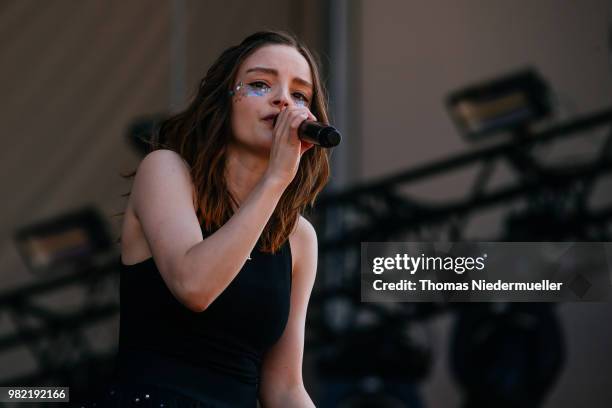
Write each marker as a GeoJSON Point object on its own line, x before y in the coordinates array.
{"type": "Point", "coordinates": [330, 136]}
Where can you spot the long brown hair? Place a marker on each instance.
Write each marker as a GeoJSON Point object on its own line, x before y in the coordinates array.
{"type": "Point", "coordinates": [201, 133]}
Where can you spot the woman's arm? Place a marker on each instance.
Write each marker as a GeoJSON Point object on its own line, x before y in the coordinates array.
{"type": "Point", "coordinates": [281, 375]}
{"type": "Point", "coordinates": [195, 270]}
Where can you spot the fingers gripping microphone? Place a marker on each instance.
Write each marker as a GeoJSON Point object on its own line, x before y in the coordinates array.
{"type": "Point", "coordinates": [319, 134]}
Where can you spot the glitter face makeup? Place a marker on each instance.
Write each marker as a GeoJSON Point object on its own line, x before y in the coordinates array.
{"type": "Point", "coordinates": [259, 88]}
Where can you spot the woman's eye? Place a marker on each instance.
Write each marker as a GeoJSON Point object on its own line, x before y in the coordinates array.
{"type": "Point", "coordinates": [301, 96]}
{"type": "Point", "coordinates": [259, 85]}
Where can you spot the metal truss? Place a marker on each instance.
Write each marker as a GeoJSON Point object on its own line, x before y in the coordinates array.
{"type": "Point", "coordinates": [57, 339]}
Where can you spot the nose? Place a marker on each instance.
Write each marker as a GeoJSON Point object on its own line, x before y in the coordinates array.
{"type": "Point", "coordinates": [281, 98]}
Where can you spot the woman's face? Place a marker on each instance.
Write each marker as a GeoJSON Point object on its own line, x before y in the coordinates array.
{"type": "Point", "coordinates": [273, 77]}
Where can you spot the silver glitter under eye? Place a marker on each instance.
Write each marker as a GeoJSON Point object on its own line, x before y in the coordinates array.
{"type": "Point", "coordinates": [236, 89]}
{"type": "Point", "coordinates": [250, 90]}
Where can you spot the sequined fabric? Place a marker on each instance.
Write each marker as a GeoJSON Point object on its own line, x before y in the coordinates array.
{"type": "Point", "coordinates": [144, 396]}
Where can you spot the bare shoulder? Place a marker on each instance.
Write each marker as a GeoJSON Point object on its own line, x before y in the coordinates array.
{"type": "Point", "coordinates": [303, 241]}
{"type": "Point", "coordinates": [160, 169]}
{"type": "Point", "coordinates": [163, 162]}
{"type": "Point", "coordinates": [305, 230]}
{"type": "Point", "coordinates": [162, 187]}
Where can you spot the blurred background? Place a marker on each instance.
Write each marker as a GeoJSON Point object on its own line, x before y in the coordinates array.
{"type": "Point", "coordinates": [461, 120]}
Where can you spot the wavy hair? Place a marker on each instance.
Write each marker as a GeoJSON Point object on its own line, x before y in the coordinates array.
{"type": "Point", "coordinates": [200, 134]}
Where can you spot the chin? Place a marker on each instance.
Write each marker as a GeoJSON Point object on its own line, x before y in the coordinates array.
{"type": "Point", "coordinates": [258, 146]}
{"type": "Point", "coordinates": [265, 139]}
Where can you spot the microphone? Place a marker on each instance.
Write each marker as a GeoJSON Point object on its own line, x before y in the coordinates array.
{"type": "Point", "coordinates": [319, 134]}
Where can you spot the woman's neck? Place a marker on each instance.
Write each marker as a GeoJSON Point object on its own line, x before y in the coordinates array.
{"type": "Point", "coordinates": [243, 171]}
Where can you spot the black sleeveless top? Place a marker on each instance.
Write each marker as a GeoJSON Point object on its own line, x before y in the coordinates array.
{"type": "Point", "coordinates": [214, 356]}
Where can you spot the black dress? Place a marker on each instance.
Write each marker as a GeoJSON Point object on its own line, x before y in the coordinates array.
{"type": "Point", "coordinates": [170, 356]}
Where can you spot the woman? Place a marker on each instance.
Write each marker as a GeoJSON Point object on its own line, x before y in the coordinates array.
{"type": "Point", "coordinates": [217, 262]}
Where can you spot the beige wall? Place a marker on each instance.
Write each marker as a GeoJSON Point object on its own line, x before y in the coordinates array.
{"type": "Point", "coordinates": [415, 52]}
{"type": "Point", "coordinates": [73, 76]}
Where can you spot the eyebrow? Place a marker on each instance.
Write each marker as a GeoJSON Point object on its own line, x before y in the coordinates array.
{"type": "Point", "coordinates": [274, 72]}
